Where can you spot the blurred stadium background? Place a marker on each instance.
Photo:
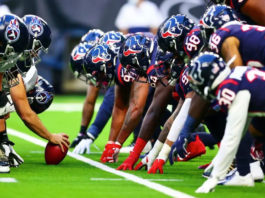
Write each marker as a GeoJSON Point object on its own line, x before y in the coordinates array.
{"type": "Point", "coordinates": [70, 19]}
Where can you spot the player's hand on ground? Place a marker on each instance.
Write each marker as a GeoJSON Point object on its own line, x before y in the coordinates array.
{"type": "Point", "coordinates": [60, 139]}
{"type": "Point", "coordinates": [78, 139]}
{"type": "Point", "coordinates": [129, 162]}
{"type": "Point", "coordinates": [83, 146]}
{"type": "Point", "coordinates": [208, 186]}
{"type": "Point", "coordinates": [181, 146]}
{"type": "Point", "coordinates": [110, 153]}
{"type": "Point", "coordinates": [144, 163]}
{"type": "Point", "coordinates": [157, 166]}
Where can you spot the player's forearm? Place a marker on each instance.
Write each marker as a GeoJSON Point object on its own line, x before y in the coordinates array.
{"type": "Point", "coordinates": [152, 118]}
{"type": "Point", "coordinates": [33, 122]}
{"type": "Point", "coordinates": [87, 113]}
{"type": "Point", "coordinates": [132, 119]}
{"type": "Point", "coordinates": [118, 116]}
{"type": "Point", "coordinates": [167, 126]}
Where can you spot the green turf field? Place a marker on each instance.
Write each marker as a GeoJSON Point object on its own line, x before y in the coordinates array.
{"type": "Point", "coordinates": [75, 178]}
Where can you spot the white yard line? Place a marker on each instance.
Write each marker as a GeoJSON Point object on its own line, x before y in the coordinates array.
{"type": "Point", "coordinates": [8, 180]}
{"type": "Point", "coordinates": [121, 179]}
{"type": "Point", "coordinates": [155, 186]}
{"type": "Point", "coordinates": [69, 107]}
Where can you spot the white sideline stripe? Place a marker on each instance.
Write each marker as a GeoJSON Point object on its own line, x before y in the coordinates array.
{"type": "Point", "coordinates": [69, 107]}
{"type": "Point", "coordinates": [120, 179]}
{"type": "Point", "coordinates": [8, 180]}
{"type": "Point", "coordinates": [158, 187]}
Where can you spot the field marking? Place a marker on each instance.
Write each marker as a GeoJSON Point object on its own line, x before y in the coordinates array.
{"type": "Point", "coordinates": [69, 107]}
{"type": "Point", "coordinates": [155, 186]}
{"type": "Point", "coordinates": [8, 180]}
{"type": "Point", "coordinates": [120, 179]}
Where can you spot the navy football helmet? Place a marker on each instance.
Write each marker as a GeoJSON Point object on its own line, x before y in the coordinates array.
{"type": "Point", "coordinates": [218, 15]}
{"type": "Point", "coordinates": [40, 37]}
{"type": "Point", "coordinates": [99, 65]}
{"type": "Point", "coordinates": [204, 74]}
{"type": "Point", "coordinates": [92, 36]}
{"type": "Point", "coordinates": [136, 52]}
{"type": "Point", "coordinates": [41, 97]}
{"type": "Point", "coordinates": [172, 32]}
{"type": "Point", "coordinates": [14, 39]}
{"type": "Point", "coordinates": [113, 39]}
{"type": "Point", "coordinates": [77, 60]}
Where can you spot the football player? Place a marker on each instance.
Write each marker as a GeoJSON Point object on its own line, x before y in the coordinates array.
{"type": "Point", "coordinates": [39, 39]}
{"type": "Point", "coordinates": [171, 36]}
{"type": "Point", "coordinates": [86, 137]}
{"type": "Point", "coordinates": [239, 90]}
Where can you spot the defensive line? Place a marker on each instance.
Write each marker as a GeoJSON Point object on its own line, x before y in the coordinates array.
{"type": "Point", "coordinates": [155, 186]}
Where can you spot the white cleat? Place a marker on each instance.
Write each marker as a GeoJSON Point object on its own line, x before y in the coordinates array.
{"type": "Point", "coordinates": [237, 180]}
{"type": "Point", "coordinates": [256, 171]}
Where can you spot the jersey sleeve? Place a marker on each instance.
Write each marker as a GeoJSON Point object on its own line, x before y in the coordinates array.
{"type": "Point", "coordinates": [216, 40]}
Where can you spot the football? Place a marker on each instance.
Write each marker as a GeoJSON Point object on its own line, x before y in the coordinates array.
{"type": "Point", "coordinates": [53, 153]}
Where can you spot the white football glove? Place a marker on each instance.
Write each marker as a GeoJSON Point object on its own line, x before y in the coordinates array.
{"type": "Point", "coordinates": [208, 185]}
{"type": "Point", "coordinates": [14, 159]}
{"type": "Point", "coordinates": [83, 146]}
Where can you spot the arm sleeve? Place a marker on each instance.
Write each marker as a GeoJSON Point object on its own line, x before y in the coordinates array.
{"type": "Point", "coordinates": [179, 121]}
{"type": "Point", "coordinates": [235, 123]}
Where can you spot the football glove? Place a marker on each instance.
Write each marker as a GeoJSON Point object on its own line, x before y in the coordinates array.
{"type": "Point", "coordinates": [129, 162]}
{"type": "Point", "coordinates": [83, 146]}
{"type": "Point", "coordinates": [78, 139]}
{"type": "Point", "coordinates": [178, 149]}
{"type": "Point", "coordinates": [144, 163]}
{"type": "Point", "coordinates": [157, 166]}
{"type": "Point", "coordinates": [14, 159]}
{"type": "Point", "coordinates": [110, 153]}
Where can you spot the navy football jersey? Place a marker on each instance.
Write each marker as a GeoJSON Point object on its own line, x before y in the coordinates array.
{"type": "Point", "coordinates": [251, 38]}
{"type": "Point", "coordinates": [122, 76]}
{"type": "Point", "coordinates": [183, 87]}
{"type": "Point", "coordinates": [243, 78]}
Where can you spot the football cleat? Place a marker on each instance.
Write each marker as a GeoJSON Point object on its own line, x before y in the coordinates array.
{"type": "Point", "coordinates": [204, 166]}
{"type": "Point", "coordinates": [4, 162]}
{"type": "Point", "coordinates": [256, 171]}
{"type": "Point", "coordinates": [238, 180]}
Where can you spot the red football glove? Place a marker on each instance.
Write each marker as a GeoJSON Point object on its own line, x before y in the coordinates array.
{"type": "Point", "coordinates": [144, 163]}
{"type": "Point", "coordinates": [194, 149]}
{"type": "Point", "coordinates": [110, 153]}
{"type": "Point", "coordinates": [157, 165]}
{"type": "Point", "coordinates": [129, 162]}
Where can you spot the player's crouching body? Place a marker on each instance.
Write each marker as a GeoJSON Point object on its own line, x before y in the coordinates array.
{"type": "Point", "coordinates": [28, 95]}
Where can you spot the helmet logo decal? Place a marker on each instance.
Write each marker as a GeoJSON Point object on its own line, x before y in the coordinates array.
{"type": "Point", "coordinates": [133, 47]}
{"type": "Point", "coordinates": [36, 27]}
{"type": "Point", "coordinates": [78, 53]}
{"type": "Point", "coordinates": [100, 54]}
{"type": "Point", "coordinates": [42, 97]}
{"type": "Point", "coordinates": [12, 32]}
{"type": "Point", "coordinates": [112, 38]}
{"type": "Point", "coordinates": [171, 28]}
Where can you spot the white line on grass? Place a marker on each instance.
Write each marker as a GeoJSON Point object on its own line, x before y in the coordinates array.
{"type": "Point", "coordinates": [7, 180]}
{"type": "Point", "coordinates": [69, 107]}
{"type": "Point", "coordinates": [158, 187]}
{"type": "Point", "coordinates": [120, 179]}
